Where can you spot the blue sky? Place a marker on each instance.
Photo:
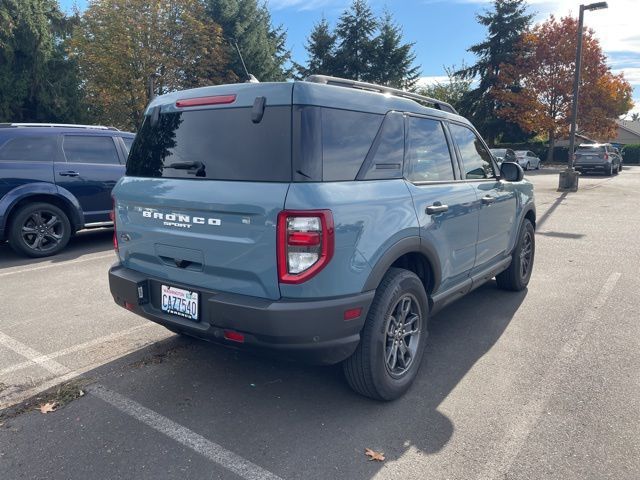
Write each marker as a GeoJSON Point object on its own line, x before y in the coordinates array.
{"type": "Point", "coordinates": [443, 30]}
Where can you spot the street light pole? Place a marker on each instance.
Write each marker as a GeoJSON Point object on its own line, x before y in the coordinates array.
{"type": "Point", "coordinates": [569, 178]}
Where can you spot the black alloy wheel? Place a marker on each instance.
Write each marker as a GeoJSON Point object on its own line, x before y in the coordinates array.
{"type": "Point", "coordinates": [39, 230]}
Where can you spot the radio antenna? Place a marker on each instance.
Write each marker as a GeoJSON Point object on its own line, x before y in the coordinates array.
{"type": "Point", "coordinates": [250, 78]}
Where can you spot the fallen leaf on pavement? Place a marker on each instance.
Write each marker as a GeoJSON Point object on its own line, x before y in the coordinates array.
{"type": "Point", "coordinates": [48, 407]}
{"type": "Point", "coordinates": [374, 455]}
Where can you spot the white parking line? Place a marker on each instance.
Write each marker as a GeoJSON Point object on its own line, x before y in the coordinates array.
{"type": "Point", "coordinates": [73, 349]}
{"type": "Point", "coordinates": [57, 264]}
{"type": "Point", "coordinates": [33, 355]}
{"type": "Point", "coordinates": [504, 455]}
{"type": "Point", "coordinates": [188, 438]}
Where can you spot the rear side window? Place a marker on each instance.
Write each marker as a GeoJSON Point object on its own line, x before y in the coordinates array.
{"type": "Point", "coordinates": [428, 155]}
{"type": "Point", "coordinates": [88, 149]}
{"type": "Point", "coordinates": [127, 143]}
{"type": "Point", "coordinates": [29, 149]}
{"type": "Point", "coordinates": [214, 144]}
{"type": "Point", "coordinates": [475, 157]}
{"type": "Point", "coordinates": [386, 157]}
{"type": "Point", "coordinates": [346, 139]}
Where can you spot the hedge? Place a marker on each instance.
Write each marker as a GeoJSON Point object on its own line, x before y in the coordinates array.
{"type": "Point", "coordinates": [631, 154]}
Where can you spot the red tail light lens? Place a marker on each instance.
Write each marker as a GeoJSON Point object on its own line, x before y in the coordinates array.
{"type": "Point", "coordinates": [305, 244]}
{"type": "Point", "coordinates": [202, 101]}
{"type": "Point", "coordinates": [606, 156]}
{"type": "Point", "coordinates": [112, 217]}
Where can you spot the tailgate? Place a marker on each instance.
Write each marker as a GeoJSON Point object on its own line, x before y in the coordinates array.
{"type": "Point", "coordinates": [212, 235]}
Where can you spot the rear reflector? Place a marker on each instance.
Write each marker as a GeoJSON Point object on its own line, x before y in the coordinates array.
{"type": "Point", "coordinates": [202, 101]}
{"type": "Point", "coordinates": [352, 313]}
{"type": "Point", "coordinates": [234, 336]}
{"type": "Point", "coordinates": [129, 306]}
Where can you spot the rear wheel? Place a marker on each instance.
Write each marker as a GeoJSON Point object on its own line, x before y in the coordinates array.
{"type": "Point", "coordinates": [608, 170]}
{"type": "Point", "coordinates": [517, 276]}
{"type": "Point", "coordinates": [39, 230]}
{"type": "Point", "coordinates": [388, 357]}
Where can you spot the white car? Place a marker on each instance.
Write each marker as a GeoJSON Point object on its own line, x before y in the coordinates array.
{"type": "Point", "coordinates": [528, 159]}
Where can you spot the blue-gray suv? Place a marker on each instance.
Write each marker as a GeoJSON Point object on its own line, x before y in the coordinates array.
{"type": "Point", "coordinates": [325, 219]}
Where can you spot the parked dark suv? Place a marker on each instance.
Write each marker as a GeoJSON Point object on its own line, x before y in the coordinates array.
{"type": "Point", "coordinates": [325, 219]}
{"type": "Point", "coordinates": [56, 180]}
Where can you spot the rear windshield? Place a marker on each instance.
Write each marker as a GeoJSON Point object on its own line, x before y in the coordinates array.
{"type": "Point", "coordinates": [216, 144]}
{"type": "Point", "coordinates": [590, 150]}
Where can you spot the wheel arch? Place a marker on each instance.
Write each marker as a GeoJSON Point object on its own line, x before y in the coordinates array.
{"type": "Point", "coordinates": [46, 193]}
{"type": "Point", "coordinates": [412, 254]}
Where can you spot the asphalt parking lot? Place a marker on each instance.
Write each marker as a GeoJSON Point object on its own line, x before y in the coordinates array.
{"type": "Point", "coordinates": [540, 384]}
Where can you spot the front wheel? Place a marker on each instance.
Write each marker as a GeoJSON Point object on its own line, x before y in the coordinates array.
{"type": "Point", "coordinates": [517, 276]}
{"type": "Point", "coordinates": [527, 166]}
{"type": "Point", "coordinates": [39, 230]}
{"type": "Point", "coordinates": [388, 358]}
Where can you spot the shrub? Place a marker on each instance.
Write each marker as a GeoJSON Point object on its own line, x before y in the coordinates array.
{"type": "Point", "coordinates": [631, 154]}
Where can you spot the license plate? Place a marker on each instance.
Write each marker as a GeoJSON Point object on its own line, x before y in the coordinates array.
{"type": "Point", "coordinates": [180, 302]}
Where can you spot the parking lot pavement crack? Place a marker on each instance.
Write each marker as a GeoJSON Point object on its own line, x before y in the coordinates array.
{"type": "Point", "coordinates": [504, 456]}
{"type": "Point", "coordinates": [188, 438]}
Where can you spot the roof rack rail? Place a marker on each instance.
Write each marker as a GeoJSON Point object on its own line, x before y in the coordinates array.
{"type": "Point", "coordinates": [64, 125]}
{"type": "Point", "coordinates": [343, 82]}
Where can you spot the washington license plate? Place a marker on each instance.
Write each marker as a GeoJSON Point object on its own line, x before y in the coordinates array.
{"type": "Point", "coordinates": [180, 302]}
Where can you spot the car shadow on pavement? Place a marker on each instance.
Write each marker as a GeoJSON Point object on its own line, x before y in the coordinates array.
{"type": "Point", "coordinates": [278, 414]}
{"type": "Point", "coordinates": [82, 243]}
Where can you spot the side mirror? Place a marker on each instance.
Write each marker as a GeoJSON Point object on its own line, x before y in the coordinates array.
{"type": "Point", "coordinates": [511, 172]}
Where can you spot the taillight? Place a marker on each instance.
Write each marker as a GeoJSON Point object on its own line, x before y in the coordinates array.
{"type": "Point", "coordinates": [305, 244]}
{"type": "Point", "coordinates": [112, 216]}
{"type": "Point", "coordinates": [606, 156]}
{"type": "Point", "coordinates": [202, 101]}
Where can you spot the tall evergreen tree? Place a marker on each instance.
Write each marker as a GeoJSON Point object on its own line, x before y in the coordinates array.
{"type": "Point", "coordinates": [393, 63]}
{"type": "Point", "coordinates": [356, 51]}
{"type": "Point", "coordinates": [38, 82]}
{"type": "Point", "coordinates": [505, 24]}
{"type": "Point", "coordinates": [262, 45]}
{"type": "Point", "coordinates": [320, 47]}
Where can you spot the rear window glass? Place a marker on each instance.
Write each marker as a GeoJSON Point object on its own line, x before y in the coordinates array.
{"type": "Point", "coordinates": [29, 149]}
{"type": "Point", "coordinates": [346, 139]}
{"type": "Point", "coordinates": [590, 150]}
{"type": "Point", "coordinates": [215, 144]}
{"type": "Point", "coordinates": [88, 149]}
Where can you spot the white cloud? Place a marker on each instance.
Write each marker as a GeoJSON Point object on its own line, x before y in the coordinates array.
{"type": "Point", "coordinates": [432, 80]}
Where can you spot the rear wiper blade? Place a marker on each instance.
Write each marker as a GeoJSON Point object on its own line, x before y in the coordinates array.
{"type": "Point", "coordinates": [185, 165]}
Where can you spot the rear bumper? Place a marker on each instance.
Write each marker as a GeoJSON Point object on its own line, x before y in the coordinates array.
{"type": "Point", "coordinates": [592, 166]}
{"type": "Point", "coordinates": [309, 330]}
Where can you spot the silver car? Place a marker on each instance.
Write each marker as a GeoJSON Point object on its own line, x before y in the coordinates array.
{"type": "Point", "coordinates": [528, 160]}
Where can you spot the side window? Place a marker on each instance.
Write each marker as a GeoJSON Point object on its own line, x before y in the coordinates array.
{"type": "Point", "coordinates": [88, 149]}
{"type": "Point", "coordinates": [346, 139]}
{"type": "Point", "coordinates": [29, 149]}
{"type": "Point", "coordinates": [127, 143]}
{"type": "Point", "coordinates": [386, 156]}
{"type": "Point", "coordinates": [476, 158]}
{"type": "Point", "coordinates": [428, 156]}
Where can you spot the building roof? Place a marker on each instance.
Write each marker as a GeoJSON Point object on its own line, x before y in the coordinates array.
{"type": "Point", "coordinates": [629, 126]}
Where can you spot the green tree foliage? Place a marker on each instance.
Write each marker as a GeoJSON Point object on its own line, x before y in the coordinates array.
{"type": "Point", "coordinates": [506, 23]}
{"type": "Point", "coordinates": [38, 82]}
{"type": "Point", "coordinates": [121, 44]}
{"type": "Point", "coordinates": [263, 47]}
{"type": "Point", "coordinates": [394, 60]}
{"type": "Point", "coordinates": [451, 91]}
{"type": "Point", "coordinates": [362, 47]}
{"type": "Point", "coordinates": [356, 51]}
{"type": "Point", "coordinates": [320, 47]}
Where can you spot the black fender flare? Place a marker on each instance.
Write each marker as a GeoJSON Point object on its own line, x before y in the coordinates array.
{"type": "Point", "coordinates": [411, 244]}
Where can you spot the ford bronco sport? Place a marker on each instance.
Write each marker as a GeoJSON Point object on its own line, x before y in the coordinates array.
{"type": "Point", "coordinates": [326, 219]}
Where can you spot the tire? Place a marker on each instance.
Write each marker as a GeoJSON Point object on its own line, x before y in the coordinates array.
{"type": "Point", "coordinates": [617, 170]}
{"type": "Point", "coordinates": [608, 171]}
{"type": "Point", "coordinates": [538, 166]}
{"type": "Point", "coordinates": [527, 166]}
{"type": "Point", "coordinates": [39, 230]}
{"type": "Point", "coordinates": [373, 370]}
{"type": "Point", "coordinates": [517, 276]}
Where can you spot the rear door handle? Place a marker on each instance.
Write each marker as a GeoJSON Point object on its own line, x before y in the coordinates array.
{"type": "Point", "coordinates": [488, 200]}
{"type": "Point", "coordinates": [68, 174]}
{"type": "Point", "coordinates": [437, 208]}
